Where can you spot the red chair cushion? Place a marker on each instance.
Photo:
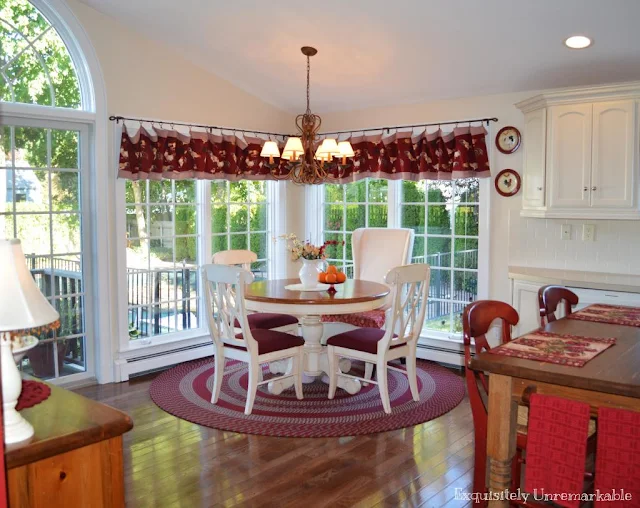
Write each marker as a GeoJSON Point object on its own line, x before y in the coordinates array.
{"type": "Point", "coordinates": [267, 320]}
{"type": "Point", "coordinates": [361, 339]}
{"type": "Point", "coordinates": [368, 319]}
{"type": "Point", "coordinates": [271, 340]}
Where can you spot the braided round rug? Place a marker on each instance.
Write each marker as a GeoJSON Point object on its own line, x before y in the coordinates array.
{"type": "Point", "coordinates": [185, 391]}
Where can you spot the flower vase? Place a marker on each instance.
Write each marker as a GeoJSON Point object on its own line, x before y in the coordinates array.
{"type": "Point", "coordinates": [309, 272]}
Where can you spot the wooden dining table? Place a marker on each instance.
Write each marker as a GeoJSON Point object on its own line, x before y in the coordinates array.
{"type": "Point", "coordinates": [351, 297]}
{"type": "Point", "coordinates": [611, 379]}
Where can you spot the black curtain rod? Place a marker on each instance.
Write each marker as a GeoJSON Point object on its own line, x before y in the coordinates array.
{"type": "Point", "coordinates": [207, 127]}
{"type": "Point", "coordinates": [395, 127]}
{"type": "Point", "coordinates": [398, 127]}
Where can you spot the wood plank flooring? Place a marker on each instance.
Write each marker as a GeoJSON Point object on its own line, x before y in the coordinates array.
{"type": "Point", "coordinates": [173, 463]}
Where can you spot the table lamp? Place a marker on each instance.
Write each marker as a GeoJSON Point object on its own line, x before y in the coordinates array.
{"type": "Point", "coordinates": [22, 307]}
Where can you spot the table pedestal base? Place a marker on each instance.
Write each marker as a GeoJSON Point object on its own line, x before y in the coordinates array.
{"type": "Point", "coordinates": [316, 361]}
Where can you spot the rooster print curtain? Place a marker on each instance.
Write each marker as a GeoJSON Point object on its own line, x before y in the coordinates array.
{"type": "Point", "coordinates": [158, 154]}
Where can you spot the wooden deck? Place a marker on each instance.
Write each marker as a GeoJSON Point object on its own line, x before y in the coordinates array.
{"type": "Point", "coordinates": [173, 463]}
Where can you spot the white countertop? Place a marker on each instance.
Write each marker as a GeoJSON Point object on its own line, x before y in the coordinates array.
{"type": "Point", "coordinates": [591, 280]}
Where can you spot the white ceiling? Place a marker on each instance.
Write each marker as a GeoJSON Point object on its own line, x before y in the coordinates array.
{"type": "Point", "coordinates": [380, 52]}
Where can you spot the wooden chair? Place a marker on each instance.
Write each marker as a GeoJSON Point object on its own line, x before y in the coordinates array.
{"type": "Point", "coordinates": [549, 297]}
{"type": "Point", "coordinates": [476, 321]}
{"type": "Point", "coordinates": [224, 294]}
{"type": "Point", "coordinates": [262, 320]}
{"type": "Point", "coordinates": [405, 317]}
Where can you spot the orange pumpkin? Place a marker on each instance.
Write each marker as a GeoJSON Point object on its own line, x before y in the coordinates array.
{"type": "Point", "coordinates": [341, 277]}
{"type": "Point", "coordinates": [332, 269]}
{"type": "Point", "coordinates": [322, 277]}
{"type": "Point", "coordinates": [331, 278]}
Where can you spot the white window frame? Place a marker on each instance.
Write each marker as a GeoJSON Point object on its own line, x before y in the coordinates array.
{"type": "Point", "coordinates": [314, 216]}
{"type": "Point", "coordinates": [93, 117]}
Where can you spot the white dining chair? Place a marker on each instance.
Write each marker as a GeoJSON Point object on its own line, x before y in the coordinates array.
{"type": "Point", "coordinates": [405, 317]}
{"type": "Point", "coordinates": [263, 320]}
{"type": "Point", "coordinates": [224, 296]}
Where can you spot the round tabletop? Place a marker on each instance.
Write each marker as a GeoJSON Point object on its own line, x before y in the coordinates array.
{"type": "Point", "coordinates": [352, 296]}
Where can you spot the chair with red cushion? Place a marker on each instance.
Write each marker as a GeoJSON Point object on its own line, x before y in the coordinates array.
{"type": "Point", "coordinates": [262, 320]}
{"type": "Point", "coordinates": [549, 297]}
{"type": "Point", "coordinates": [224, 293]}
{"type": "Point", "coordinates": [410, 286]}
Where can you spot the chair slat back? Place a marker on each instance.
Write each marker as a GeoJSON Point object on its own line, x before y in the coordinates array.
{"type": "Point", "coordinates": [224, 296]}
{"type": "Point", "coordinates": [405, 317]}
{"type": "Point", "coordinates": [376, 251]}
{"type": "Point", "coordinates": [477, 318]}
{"type": "Point", "coordinates": [549, 297]}
{"type": "Point", "coordinates": [235, 257]}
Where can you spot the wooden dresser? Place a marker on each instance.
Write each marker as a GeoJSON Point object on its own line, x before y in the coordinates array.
{"type": "Point", "coordinates": [75, 457]}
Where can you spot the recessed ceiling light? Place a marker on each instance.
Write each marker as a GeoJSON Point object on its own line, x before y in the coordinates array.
{"type": "Point", "coordinates": [578, 42]}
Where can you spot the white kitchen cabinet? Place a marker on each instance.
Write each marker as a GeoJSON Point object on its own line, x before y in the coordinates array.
{"type": "Point", "coordinates": [534, 141]}
{"type": "Point", "coordinates": [569, 155]}
{"type": "Point", "coordinates": [581, 153]}
{"type": "Point", "coordinates": [614, 146]}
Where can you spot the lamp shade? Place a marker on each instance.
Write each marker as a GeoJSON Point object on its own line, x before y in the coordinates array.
{"type": "Point", "coordinates": [22, 305]}
{"type": "Point", "coordinates": [293, 149]}
{"type": "Point", "coordinates": [329, 146]}
{"type": "Point", "coordinates": [270, 149]}
{"type": "Point", "coordinates": [345, 149]}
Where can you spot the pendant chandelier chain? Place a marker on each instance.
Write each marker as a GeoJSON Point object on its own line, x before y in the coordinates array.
{"type": "Point", "coordinates": [308, 84]}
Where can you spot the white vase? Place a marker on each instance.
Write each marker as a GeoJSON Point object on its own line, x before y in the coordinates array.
{"type": "Point", "coordinates": [309, 272]}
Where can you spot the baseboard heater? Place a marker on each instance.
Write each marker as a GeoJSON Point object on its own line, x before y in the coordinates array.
{"type": "Point", "coordinates": [445, 355]}
{"type": "Point", "coordinates": [147, 363]}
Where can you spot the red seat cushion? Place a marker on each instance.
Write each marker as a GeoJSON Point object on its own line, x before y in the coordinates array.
{"type": "Point", "coordinates": [267, 320]}
{"type": "Point", "coordinates": [361, 339]}
{"type": "Point", "coordinates": [368, 319]}
{"type": "Point", "coordinates": [271, 340]}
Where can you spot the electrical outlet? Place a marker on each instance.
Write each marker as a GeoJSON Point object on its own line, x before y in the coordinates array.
{"type": "Point", "coordinates": [588, 232]}
{"type": "Point", "coordinates": [565, 232]}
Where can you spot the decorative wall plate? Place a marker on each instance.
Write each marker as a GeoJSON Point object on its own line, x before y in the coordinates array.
{"type": "Point", "coordinates": [508, 139]}
{"type": "Point", "coordinates": [508, 182]}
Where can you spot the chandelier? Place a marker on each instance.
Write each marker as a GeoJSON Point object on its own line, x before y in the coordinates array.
{"type": "Point", "coordinates": [309, 161]}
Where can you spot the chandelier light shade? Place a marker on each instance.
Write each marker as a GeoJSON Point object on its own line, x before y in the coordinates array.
{"type": "Point", "coordinates": [293, 150]}
{"type": "Point", "coordinates": [346, 150]}
{"type": "Point", "coordinates": [303, 166]}
{"type": "Point", "coordinates": [270, 149]}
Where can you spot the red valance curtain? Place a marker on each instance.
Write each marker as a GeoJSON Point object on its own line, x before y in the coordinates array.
{"type": "Point", "coordinates": [159, 153]}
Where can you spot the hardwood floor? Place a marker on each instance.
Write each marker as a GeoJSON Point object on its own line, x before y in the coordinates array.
{"type": "Point", "coordinates": [173, 463]}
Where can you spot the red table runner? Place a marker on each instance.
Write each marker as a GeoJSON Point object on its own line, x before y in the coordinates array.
{"type": "Point", "coordinates": [541, 346]}
{"type": "Point", "coordinates": [611, 314]}
{"type": "Point", "coordinates": [33, 392]}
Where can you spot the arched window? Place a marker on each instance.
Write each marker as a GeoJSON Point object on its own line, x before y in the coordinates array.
{"type": "Point", "coordinates": [44, 165]}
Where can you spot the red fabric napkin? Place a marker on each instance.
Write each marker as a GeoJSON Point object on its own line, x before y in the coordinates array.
{"type": "Point", "coordinates": [33, 392]}
{"type": "Point", "coordinates": [618, 458]}
{"type": "Point", "coordinates": [556, 447]}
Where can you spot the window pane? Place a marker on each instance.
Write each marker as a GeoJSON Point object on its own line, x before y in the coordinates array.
{"type": "Point", "coordinates": [333, 193]}
{"type": "Point", "coordinates": [186, 250]}
{"type": "Point", "coordinates": [439, 251]}
{"type": "Point", "coordinates": [35, 233]}
{"type": "Point", "coordinates": [468, 191]}
{"type": "Point", "coordinates": [5, 141]}
{"type": "Point", "coordinates": [31, 147]}
{"type": "Point", "coordinates": [377, 216]}
{"type": "Point", "coordinates": [334, 252]}
{"type": "Point", "coordinates": [466, 254]}
{"type": "Point", "coordinates": [333, 215]}
{"type": "Point", "coordinates": [467, 220]}
{"type": "Point", "coordinates": [418, 250]}
{"type": "Point", "coordinates": [219, 219]}
{"type": "Point", "coordinates": [413, 192]}
{"type": "Point", "coordinates": [238, 218]}
{"type": "Point", "coordinates": [239, 191]}
{"type": "Point", "coordinates": [259, 244]}
{"type": "Point", "coordinates": [378, 190]}
{"type": "Point", "coordinates": [161, 221]}
{"type": "Point", "coordinates": [136, 192]}
{"type": "Point", "coordinates": [28, 189]}
{"type": "Point", "coordinates": [66, 233]}
{"type": "Point", "coordinates": [64, 149]}
{"type": "Point", "coordinates": [438, 220]}
{"type": "Point", "coordinates": [239, 242]}
{"type": "Point", "coordinates": [412, 216]}
{"type": "Point", "coordinates": [257, 191]}
{"type": "Point", "coordinates": [186, 220]}
{"type": "Point", "coordinates": [438, 316]}
{"type": "Point", "coordinates": [440, 284]}
{"type": "Point", "coordinates": [258, 218]}
{"type": "Point", "coordinates": [219, 243]}
{"type": "Point", "coordinates": [357, 191]}
{"type": "Point", "coordinates": [355, 217]}
{"type": "Point", "coordinates": [465, 286]}
{"type": "Point", "coordinates": [185, 191]}
{"type": "Point", "coordinates": [74, 355]}
{"type": "Point", "coordinates": [65, 191]}
{"type": "Point", "coordinates": [439, 191]}
{"type": "Point", "coordinates": [71, 315]}
{"type": "Point", "coordinates": [219, 192]}
{"type": "Point", "coordinates": [160, 191]}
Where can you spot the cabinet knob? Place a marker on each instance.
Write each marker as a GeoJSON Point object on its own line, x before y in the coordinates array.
{"type": "Point", "coordinates": [539, 188]}
{"type": "Point", "coordinates": [585, 188]}
{"type": "Point", "coordinates": [594, 188]}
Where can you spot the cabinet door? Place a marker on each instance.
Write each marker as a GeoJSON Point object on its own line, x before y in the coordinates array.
{"type": "Point", "coordinates": [613, 154]}
{"type": "Point", "coordinates": [569, 155]}
{"type": "Point", "coordinates": [535, 135]}
{"type": "Point", "coordinates": [525, 301]}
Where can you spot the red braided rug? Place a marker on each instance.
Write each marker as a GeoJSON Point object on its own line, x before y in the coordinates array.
{"type": "Point", "coordinates": [185, 391]}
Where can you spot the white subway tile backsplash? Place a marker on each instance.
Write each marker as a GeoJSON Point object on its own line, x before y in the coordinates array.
{"type": "Point", "coordinates": [537, 242]}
